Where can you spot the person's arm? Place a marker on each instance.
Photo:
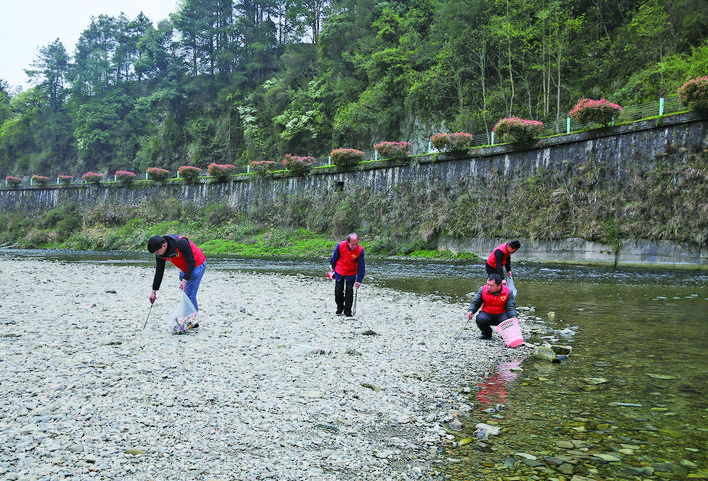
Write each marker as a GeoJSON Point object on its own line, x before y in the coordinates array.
{"type": "Point", "coordinates": [508, 266]}
{"type": "Point", "coordinates": [476, 303]}
{"type": "Point", "coordinates": [159, 271]}
{"type": "Point", "coordinates": [361, 269]}
{"type": "Point", "coordinates": [335, 257]}
{"type": "Point", "coordinates": [157, 280]}
{"type": "Point", "coordinates": [185, 249]}
{"type": "Point", "coordinates": [499, 258]}
{"type": "Point", "coordinates": [511, 305]}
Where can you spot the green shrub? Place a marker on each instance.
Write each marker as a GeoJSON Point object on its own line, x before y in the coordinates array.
{"type": "Point", "coordinates": [65, 179]}
{"type": "Point", "coordinates": [694, 94]}
{"type": "Point", "coordinates": [262, 168]}
{"type": "Point", "coordinates": [343, 157]}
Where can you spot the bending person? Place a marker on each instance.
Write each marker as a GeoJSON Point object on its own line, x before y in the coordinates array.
{"type": "Point", "coordinates": [495, 305]}
{"type": "Point", "coordinates": [349, 268]}
{"type": "Point", "coordinates": [184, 254]}
{"type": "Point", "coordinates": [500, 258]}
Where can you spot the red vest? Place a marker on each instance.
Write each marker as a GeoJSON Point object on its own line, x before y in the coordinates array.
{"type": "Point", "coordinates": [491, 260]}
{"type": "Point", "coordinates": [347, 264]}
{"type": "Point", "coordinates": [494, 304]}
{"type": "Point", "coordinates": [181, 262]}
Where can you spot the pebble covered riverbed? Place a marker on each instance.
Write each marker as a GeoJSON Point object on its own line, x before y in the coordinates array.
{"type": "Point", "coordinates": [273, 385]}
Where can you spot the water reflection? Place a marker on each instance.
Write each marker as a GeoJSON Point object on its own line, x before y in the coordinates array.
{"type": "Point", "coordinates": [493, 390]}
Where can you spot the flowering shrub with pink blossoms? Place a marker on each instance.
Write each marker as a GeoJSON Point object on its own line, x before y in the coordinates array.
{"type": "Point", "coordinates": [221, 172]}
{"type": "Point", "coordinates": [125, 177]}
{"type": "Point", "coordinates": [189, 173]}
{"type": "Point", "coordinates": [393, 150]}
{"type": "Point", "coordinates": [342, 157]}
{"type": "Point", "coordinates": [297, 164]}
{"type": "Point", "coordinates": [694, 94]}
{"type": "Point", "coordinates": [457, 142]}
{"type": "Point", "coordinates": [263, 167]}
{"type": "Point", "coordinates": [598, 111]}
{"type": "Point", "coordinates": [40, 180]}
{"type": "Point", "coordinates": [65, 179]}
{"type": "Point", "coordinates": [157, 174]}
{"type": "Point", "coordinates": [514, 129]}
{"type": "Point", "coordinates": [13, 181]}
{"type": "Point", "coordinates": [93, 178]}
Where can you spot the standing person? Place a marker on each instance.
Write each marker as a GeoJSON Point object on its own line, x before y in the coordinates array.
{"type": "Point", "coordinates": [500, 258]}
{"type": "Point", "coordinates": [495, 305]}
{"type": "Point", "coordinates": [349, 268]}
{"type": "Point", "coordinates": [184, 254]}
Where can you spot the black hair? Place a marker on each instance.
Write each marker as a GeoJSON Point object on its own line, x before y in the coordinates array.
{"type": "Point", "coordinates": [514, 244]}
{"type": "Point", "coordinates": [154, 243]}
{"type": "Point", "coordinates": [496, 278]}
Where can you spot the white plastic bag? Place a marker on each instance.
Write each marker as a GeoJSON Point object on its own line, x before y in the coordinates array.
{"type": "Point", "coordinates": [184, 316]}
{"type": "Point", "coordinates": [510, 285]}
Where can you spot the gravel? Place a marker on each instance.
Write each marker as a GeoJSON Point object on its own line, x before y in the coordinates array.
{"type": "Point", "coordinates": [273, 385]}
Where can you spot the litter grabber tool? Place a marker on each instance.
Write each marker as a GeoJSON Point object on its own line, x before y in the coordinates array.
{"type": "Point", "coordinates": [356, 291]}
{"type": "Point", "coordinates": [148, 317]}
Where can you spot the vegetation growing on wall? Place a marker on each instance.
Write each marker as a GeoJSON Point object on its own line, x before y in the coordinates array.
{"type": "Point", "coordinates": [581, 200]}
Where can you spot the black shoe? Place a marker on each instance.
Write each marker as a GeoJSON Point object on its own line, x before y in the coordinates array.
{"type": "Point", "coordinates": [193, 326]}
{"type": "Point", "coordinates": [348, 314]}
{"type": "Point", "coordinates": [339, 312]}
{"type": "Point", "coordinates": [484, 336]}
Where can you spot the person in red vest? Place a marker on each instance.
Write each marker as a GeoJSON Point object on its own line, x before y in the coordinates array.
{"type": "Point", "coordinates": [495, 305]}
{"type": "Point", "coordinates": [349, 268]}
{"type": "Point", "coordinates": [500, 258]}
{"type": "Point", "coordinates": [186, 256]}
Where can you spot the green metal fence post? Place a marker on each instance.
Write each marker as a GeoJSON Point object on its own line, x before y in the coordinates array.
{"type": "Point", "coordinates": [567, 125]}
{"type": "Point", "coordinates": [661, 106]}
{"type": "Point", "coordinates": [492, 137]}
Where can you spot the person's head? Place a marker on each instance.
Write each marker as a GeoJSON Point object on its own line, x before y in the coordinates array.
{"type": "Point", "coordinates": [157, 245]}
{"type": "Point", "coordinates": [514, 246]}
{"type": "Point", "coordinates": [494, 283]}
{"type": "Point", "coordinates": [353, 240]}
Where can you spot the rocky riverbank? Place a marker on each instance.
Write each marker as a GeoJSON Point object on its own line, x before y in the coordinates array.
{"type": "Point", "coordinates": [272, 386]}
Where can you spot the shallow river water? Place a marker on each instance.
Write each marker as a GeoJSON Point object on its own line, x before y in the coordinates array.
{"type": "Point", "coordinates": [629, 403]}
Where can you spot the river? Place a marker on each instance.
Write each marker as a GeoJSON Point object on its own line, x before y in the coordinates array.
{"type": "Point", "coordinates": [630, 402]}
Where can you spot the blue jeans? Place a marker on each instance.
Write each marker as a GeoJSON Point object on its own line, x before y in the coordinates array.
{"type": "Point", "coordinates": [193, 283]}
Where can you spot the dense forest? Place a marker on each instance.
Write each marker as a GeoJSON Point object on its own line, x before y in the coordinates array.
{"type": "Point", "coordinates": [235, 81]}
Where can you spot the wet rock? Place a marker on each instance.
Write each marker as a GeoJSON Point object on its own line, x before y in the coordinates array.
{"type": "Point", "coordinates": [562, 350]}
{"type": "Point", "coordinates": [545, 353]}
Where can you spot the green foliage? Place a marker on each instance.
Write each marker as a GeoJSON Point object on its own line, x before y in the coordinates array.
{"type": "Point", "coordinates": [263, 168]}
{"type": "Point", "coordinates": [189, 90]}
